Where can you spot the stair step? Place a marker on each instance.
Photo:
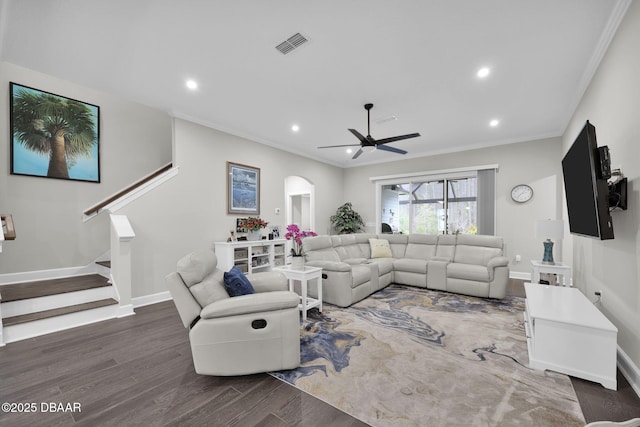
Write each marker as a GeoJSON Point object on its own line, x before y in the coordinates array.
{"type": "Point", "coordinates": [104, 263]}
{"type": "Point", "coordinates": [15, 320]}
{"type": "Point", "coordinates": [21, 291]}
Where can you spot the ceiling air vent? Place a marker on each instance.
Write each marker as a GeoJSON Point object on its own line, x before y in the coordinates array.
{"type": "Point", "coordinates": [291, 43]}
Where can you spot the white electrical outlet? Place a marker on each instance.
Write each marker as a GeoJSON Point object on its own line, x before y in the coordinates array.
{"type": "Point", "coordinates": [277, 211]}
{"type": "Point", "coordinates": [518, 258]}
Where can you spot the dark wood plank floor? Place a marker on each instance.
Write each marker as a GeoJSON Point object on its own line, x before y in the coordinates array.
{"type": "Point", "coordinates": [20, 291]}
{"type": "Point", "coordinates": [138, 371]}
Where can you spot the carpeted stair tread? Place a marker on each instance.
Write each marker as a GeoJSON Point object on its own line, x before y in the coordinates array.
{"type": "Point", "coordinates": [30, 317]}
{"type": "Point", "coordinates": [21, 291]}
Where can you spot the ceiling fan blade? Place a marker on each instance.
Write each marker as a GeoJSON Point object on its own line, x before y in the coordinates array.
{"type": "Point", "coordinates": [396, 138]}
{"type": "Point", "coordinates": [392, 149]}
{"type": "Point", "coordinates": [358, 135]}
{"type": "Point", "coordinates": [355, 156]}
{"type": "Point", "coordinates": [335, 146]}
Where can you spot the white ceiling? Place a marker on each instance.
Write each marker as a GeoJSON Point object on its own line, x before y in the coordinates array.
{"type": "Point", "coordinates": [415, 60]}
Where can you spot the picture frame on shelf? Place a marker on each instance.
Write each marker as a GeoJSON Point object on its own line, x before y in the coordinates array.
{"type": "Point", "coordinates": [243, 189]}
{"type": "Point", "coordinates": [275, 230]}
{"type": "Point", "coordinates": [53, 136]}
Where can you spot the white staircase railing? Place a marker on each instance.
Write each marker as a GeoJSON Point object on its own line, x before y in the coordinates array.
{"type": "Point", "coordinates": [121, 236]}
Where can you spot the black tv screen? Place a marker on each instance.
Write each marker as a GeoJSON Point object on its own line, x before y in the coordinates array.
{"type": "Point", "coordinates": [586, 191]}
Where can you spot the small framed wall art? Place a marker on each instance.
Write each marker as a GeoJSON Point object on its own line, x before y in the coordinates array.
{"type": "Point", "coordinates": [243, 189]}
{"type": "Point", "coordinates": [53, 136]}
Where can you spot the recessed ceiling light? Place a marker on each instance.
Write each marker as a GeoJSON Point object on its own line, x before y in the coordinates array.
{"type": "Point", "coordinates": [483, 72]}
{"type": "Point", "coordinates": [192, 84]}
{"type": "Point", "coordinates": [493, 123]}
{"type": "Point", "coordinates": [295, 128]}
{"type": "Point", "coordinates": [349, 151]}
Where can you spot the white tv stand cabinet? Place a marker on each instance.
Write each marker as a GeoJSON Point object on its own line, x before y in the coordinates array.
{"type": "Point", "coordinates": [566, 333]}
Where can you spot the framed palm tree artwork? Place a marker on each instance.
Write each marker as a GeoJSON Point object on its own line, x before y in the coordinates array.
{"type": "Point", "coordinates": [53, 136]}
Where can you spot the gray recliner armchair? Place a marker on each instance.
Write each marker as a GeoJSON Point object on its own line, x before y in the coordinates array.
{"type": "Point", "coordinates": [239, 335]}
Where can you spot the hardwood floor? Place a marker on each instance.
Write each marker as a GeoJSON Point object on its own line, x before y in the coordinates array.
{"type": "Point", "coordinates": [138, 371]}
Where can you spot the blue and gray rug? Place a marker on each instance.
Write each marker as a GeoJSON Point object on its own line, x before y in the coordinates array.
{"type": "Point", "coordinates": [413, 357]}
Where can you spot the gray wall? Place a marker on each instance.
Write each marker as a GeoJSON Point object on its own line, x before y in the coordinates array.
{"type": "Point", "coordinates": [536, 163]}
{"type": "Point", "coordinates": [612, 105]}
{"type": "Point", "coordinates": [134, 141]}
{"type": "Point", "coordinates": [189, 212]}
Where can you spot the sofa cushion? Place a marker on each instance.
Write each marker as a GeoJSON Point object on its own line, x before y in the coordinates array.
{"type": "Point", "coordinates": [236, 283]}
{"type": "Point", "coordinates": [421, 246]}
{"type": "Point", "coordinates": [194, 267]}
{"type": "Point", "coordinates": [347, 247]}
{"type": "Point", "coordinates": [360, 274]}
{"type": "Point", "coordinates": [397, 242]}
{"type": "Point", "coordinates": [477, 273]}
{"type": "Point", "coordinates": [355, 261]}
{"type": "Point", "coordinates": [446, 246]}
{"type": "Point", "coordinates": [475, 254]}
{"type": "Point", "coordinates": [385, 265]}
{"type": "Point", "coordinates": [477, 249]}
{"type": "Point", "coordinates": [319, 248]}
{"type": "Point", "coordinates": [410, 265]}
{"type": "Point", "coordinates": [210, 289]}
{"type": "Point", "coordinates": [380, 248]}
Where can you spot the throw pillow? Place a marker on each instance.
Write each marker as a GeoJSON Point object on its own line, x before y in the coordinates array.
{"type": "Point", "coordinates": [236, 283]}
{"type": "Point", "coordinates": [380, 248]}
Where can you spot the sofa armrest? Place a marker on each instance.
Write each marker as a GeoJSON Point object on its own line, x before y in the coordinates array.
{"type": "Point", "coordinates": [268, 281]}
{"type": "Point", "coordinates": [252, 303]}
{"type": "Point", "coordinates": [500, 261]}
{"type": "Point", "coordinates": [330, 265]}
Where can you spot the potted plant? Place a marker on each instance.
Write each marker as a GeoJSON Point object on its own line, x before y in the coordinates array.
{"type": "Point", "coordinates": [346, 220]}
{"type": "Point", "coordinates": [296, 235]}
{"type": "Point", "coordinates": [253, 225]}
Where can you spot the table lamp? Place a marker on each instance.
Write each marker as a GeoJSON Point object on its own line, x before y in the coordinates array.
{"type": "Point", "coordinates": [549, 229]}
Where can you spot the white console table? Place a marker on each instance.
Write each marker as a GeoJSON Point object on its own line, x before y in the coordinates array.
{"type": "Point", "coordinates": [566, 333]}
{"type": "Point", "coordinates": [558, 268]}
{"type": "Point", "coordinates": [250, 256]}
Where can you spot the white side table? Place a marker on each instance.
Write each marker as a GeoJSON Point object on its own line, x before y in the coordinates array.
{"type": "Point", "coordinates": [304, 275]}
{"type": "Point", "coordinates": [558, 268]}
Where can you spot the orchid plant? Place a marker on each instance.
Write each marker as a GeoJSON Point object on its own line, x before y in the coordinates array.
{"type": "Point", "coordinates": [252, 223]}
{"type": "Point", "coordinates": [296, 235]}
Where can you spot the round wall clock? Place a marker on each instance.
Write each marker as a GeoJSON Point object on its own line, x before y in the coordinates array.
{"type": "Point", "coordinates": [521, 193]}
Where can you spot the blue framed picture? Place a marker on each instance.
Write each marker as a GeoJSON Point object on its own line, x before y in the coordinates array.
{"type": "Point", "coordinates": [53, 136]}
{"type": "Point", "coordinates": [243, 189]}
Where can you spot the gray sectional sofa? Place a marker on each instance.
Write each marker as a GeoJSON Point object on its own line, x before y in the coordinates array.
{"type": "Point", "coordinates": [466, 264]}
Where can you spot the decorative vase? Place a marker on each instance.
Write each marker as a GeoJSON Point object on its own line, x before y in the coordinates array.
{"type": "Point", "coordinates": [254, 235]}
{"type": "Point", "coordinates": [297, 262]}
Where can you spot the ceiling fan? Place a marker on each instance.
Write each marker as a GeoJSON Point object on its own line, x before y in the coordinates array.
{"type": "Point", "coordinates": [369, 142]}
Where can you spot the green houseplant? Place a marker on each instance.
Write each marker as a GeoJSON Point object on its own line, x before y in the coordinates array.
{"type": "Point", "coordinates": [346, 220]}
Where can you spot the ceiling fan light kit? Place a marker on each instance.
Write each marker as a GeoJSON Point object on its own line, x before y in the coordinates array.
{"type": "Point", "coordinates": [369, 144]}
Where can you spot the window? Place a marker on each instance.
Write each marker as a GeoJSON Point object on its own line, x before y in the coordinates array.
{"type": "Point", "coordinates": [461, 202]}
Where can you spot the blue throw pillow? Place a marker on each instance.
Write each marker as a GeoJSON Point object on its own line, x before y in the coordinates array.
{"type": "Point", "coordinates": [236, 283]}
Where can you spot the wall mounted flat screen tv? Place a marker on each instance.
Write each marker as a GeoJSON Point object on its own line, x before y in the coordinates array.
{"type": "Point", "coordinates": [586, 190]}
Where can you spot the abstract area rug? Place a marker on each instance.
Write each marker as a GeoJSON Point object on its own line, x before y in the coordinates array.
{"type": "Point", "coordinates": [414, 357]}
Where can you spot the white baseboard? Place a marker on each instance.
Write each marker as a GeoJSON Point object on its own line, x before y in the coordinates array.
{"type": "Point", "coordinates": [151, 299]}
{"type": "Point", "coordinates": [520, 275]}
{"type": "Point", "coordinates": [58, 273]}
{"type": "Point", "coordinates": [630, 371]}
{"type": "Point", "coordinates": [126, 310]}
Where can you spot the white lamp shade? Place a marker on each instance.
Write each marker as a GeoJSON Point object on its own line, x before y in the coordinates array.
{"type": "Point", "coordinates": [550, 229]}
